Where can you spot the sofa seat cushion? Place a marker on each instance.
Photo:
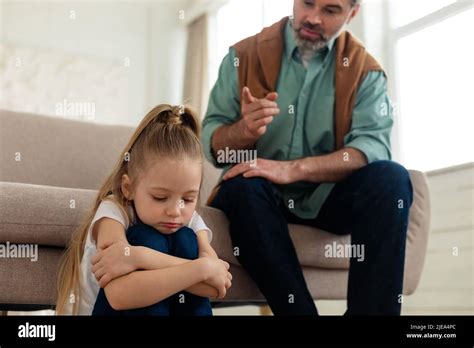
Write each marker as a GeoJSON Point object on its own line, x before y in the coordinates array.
{"type": "Point", "coordinates": [44, 215]}
{"type": "Point", "coordinates": [48, 215]}
{"type": "Point", "coordinates": [309, 242]}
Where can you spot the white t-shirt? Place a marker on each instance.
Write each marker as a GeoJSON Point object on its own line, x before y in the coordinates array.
{"type": "Point", "coordinates": [89, 285]}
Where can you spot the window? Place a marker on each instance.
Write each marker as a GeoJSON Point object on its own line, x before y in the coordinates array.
{"type": "Point", "coordinates": [406, 11]}
{"type": "Point", "coordinates": [434, 73]}
{"type": "Point", "coordinates": [238, 19]}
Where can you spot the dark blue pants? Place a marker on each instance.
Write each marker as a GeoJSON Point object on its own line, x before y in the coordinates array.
{"type": "Point", "coordinates": [365, 205]}
{"type": "Point", "coordinates": [182, 243]}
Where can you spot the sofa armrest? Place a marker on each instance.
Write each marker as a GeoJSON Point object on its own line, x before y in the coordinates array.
{"type": "Point", "coordinates": [418, 231]}
{"type": "Point", "coordinates": [43, 215]}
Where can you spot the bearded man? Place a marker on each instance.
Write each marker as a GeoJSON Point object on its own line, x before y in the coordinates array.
{"type": "Point", "coordinates": [308, 97]}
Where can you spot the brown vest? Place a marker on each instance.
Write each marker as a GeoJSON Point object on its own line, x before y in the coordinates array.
{"type": "Point", "coordinates": [260, 61]}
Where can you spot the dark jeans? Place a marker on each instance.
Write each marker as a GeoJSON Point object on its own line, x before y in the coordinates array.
{"type": "Point", "coordinates": [182, 243]}
{"type": "Point", "coordinates": [365, 205]}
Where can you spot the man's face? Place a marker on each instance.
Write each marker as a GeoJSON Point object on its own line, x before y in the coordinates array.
{"type": "Point", "coordinates": [315, 22]}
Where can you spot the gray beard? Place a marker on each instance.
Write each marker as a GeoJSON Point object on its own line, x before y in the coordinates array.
{"type": "Point", "coordinates": [308, 51]}
{"type": "Point", "coordinates": [306, 48]}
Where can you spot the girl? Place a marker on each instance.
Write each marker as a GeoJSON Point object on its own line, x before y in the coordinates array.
{"type": "Point", "coordinates": [143, 242]}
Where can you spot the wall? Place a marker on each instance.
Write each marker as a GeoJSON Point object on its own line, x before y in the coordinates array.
{"type": "Point", "coordinates": [120, 57]}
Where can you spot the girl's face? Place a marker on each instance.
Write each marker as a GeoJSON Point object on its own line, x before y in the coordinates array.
{"type": "Point", "coordinates": [165, 196]}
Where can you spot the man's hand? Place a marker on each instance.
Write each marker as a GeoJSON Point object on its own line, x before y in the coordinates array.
{"type": "Point", "coordinates": [278, 172]}
{"type": "Point", "coordinates": [257, 113]}
{"type": "Point", "coordinates": [114, 261]}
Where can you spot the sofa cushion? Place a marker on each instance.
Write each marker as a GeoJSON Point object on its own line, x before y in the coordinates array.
{"type": "Point", "coordinates": [26, 220]}
{"type": "Point", "coordinates": [48, 215]}
{"type": "Point", "coordinates": [60, 152]}
{"type": "Point", "coordinates": [310, 242]}
{"type": "Point", "coordinates": [44, 215]}
{"type": "Point", "coordinates": [30, 282]}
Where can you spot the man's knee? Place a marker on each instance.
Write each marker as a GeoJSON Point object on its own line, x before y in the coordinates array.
{"type": "Point", "coordinates": [241, 187]}
{"type": "Point", "coordinates": [391, 178]}
{"type": "Point", "coordinates": [147, 236]}
{"type": "Point", "coordinates": [390, 169]}
{"type": "Point", "coordinates": [184, 243]}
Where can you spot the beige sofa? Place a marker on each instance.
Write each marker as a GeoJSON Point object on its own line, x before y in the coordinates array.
{"type": "Point", "coordinates": [50, 169]}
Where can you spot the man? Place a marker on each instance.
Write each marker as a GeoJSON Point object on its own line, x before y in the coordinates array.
{"type": "Point", "coordinates": [313, 103]}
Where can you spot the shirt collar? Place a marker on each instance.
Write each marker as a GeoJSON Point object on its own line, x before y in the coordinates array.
{"type": "Point", "coordinates": [290, 43]}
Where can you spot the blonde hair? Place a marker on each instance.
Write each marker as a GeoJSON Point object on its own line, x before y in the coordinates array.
{"type": "Point", "coordinates": [165, 132]}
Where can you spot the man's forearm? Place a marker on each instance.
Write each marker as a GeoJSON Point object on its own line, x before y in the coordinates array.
{"type": "Point", "coordinates": [333, 167]}
{"type": "Point", "coordinates": [231, 136]}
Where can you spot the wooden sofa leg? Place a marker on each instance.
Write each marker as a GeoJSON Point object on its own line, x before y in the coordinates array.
{"type": "Point", "coordinates": [265, 310]}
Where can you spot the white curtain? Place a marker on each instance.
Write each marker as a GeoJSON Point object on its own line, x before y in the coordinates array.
{"type": "Point", "coordinates": [196, 90]}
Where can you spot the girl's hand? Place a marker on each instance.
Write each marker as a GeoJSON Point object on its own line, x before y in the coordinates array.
{"type": "Point", "coordinates": [113, 261]}
{"type": "Point", "coordinates": [208, 253]}
{"type": "Point", "coordinates": [219, 276]}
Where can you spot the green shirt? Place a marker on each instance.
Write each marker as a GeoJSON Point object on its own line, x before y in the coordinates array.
{"type": "Point", "coordinates": [305, 125]}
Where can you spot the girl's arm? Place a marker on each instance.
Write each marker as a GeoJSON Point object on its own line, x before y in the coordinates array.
{"type": "Point", "coordinates": [110, 234]}
{"type": "Point", "coordinates": [145, 288]}
{"type": "Point", "coordinates": [149, 259]}
{"type": "Point", "coordinates": [204, 245]}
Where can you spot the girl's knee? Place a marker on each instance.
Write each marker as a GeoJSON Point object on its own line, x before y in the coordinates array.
{"type": "Point", "coordinates": [185, 243]}
{"type": "Point", "coordinates": [147, 236]}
